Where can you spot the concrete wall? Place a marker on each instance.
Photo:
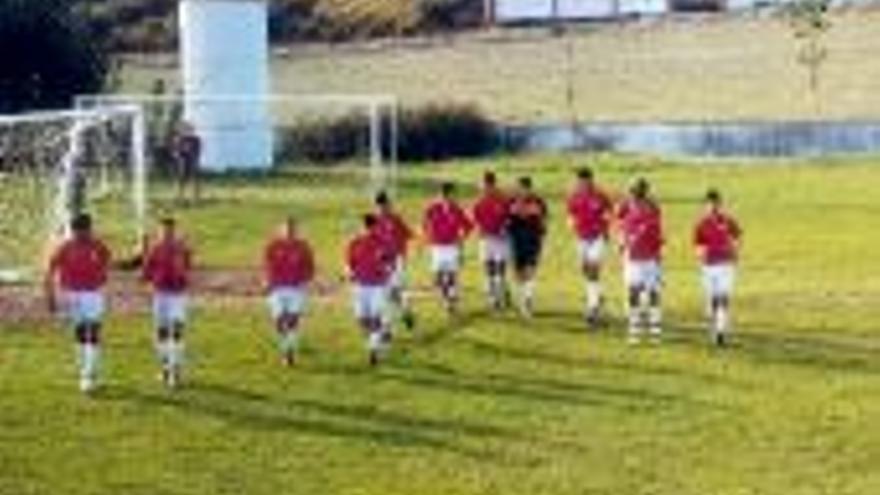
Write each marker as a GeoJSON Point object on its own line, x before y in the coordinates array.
{"type": "Point", "coordinates": [706, 139]}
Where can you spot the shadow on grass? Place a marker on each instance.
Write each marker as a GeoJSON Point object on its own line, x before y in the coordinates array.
{"type": "Point", "coordinates": [533, 389]}
{"type": "Point", "coordinates": [250, 410]}
{"type": "Point", "coordinates": [807, 349]}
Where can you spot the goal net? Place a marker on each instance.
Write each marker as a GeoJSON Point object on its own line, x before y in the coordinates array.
{"type": "Point", "coordinates": [56, 164]}
{"type": "Point", "coordinates": [333, 143]}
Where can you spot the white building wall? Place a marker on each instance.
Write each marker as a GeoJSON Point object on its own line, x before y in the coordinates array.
{"type": "Point", "coordinates": [225, 51]}
{"type": "Point", "coordinates": [535, 10]}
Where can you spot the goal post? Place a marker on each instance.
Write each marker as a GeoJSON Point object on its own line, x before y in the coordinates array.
{"type": "Point", "coordinates": [308, 131]}
{"type": "Point", "coordinates": [50, 163]}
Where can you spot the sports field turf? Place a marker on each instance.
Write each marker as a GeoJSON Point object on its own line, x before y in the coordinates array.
{"type": "Point", "coordinates": [485, 403]}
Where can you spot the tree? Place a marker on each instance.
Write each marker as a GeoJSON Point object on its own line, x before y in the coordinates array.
{"type": "Point", "coordinates": [809, 22]}
{"type": "Point", "coordinates": [47, 56]}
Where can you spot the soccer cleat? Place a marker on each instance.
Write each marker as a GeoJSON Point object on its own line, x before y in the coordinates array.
{"type": "Point", "coordinates": [593, 319]}
{"type": "Point", "coordinates": [720, 339]}
{"type": "Point", "coordinates": [172, 379]}
{"type": "Point", "coordinates": [288, 359]}
{"type": "Point", "coordinates": [86, 385]}
{"type": "Point", "coordinates": [633, 339]}
{"type": "Point", "coordinates": [409, 320]}
{"type": "Point", "coordinates": [656, 335]}
{"type": "Point", "coordinates": [374, 358]}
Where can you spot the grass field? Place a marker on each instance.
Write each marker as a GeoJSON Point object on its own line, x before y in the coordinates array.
{"type": "Point", "coordinates": [717, 68]}
{"type": "Point", "coordinates": [485, 403]}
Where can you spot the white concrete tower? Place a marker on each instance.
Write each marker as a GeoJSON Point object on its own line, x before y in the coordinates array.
{"type": "Point", "coordinates": [224, 50]}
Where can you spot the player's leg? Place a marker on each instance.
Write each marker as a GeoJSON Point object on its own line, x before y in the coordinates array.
{"type": "Point", "coordinates": [162, 334]}
{"type": "Point", "coordinates": [591, 260]}
{"type": "Point", "coordinates": [176, 318]}
{"type": "Point", "coordinates": [286, 304]}
{"type": "Point", "coordinates": [88, 314]}
{"type": "Point", "coordinates": [722, 288]}
{"type": "Point", "coordinates": [633, 279]}
{"type": "Point", "coordinates": [378, 337]}
{"type": "Point", "coordinates": [654, 286]}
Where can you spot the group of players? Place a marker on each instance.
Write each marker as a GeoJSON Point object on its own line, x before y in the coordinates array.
{"type": "Point", "coordinates": [511, 226]}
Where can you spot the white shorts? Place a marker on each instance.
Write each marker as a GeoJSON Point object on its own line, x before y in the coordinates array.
{"type": "Point", "coordinates": [369, 301]}
{"type": "Point", "coordinates": [591, 250]}
{"type": "Point", "coordinates": [645, 274]}
{"type": "Point", "coordinates": [495, 249]}
{"type": "Point", "coordinates": [397, 280]}
{"type": "Point", "coordinates": [84, 306]}
{"type": "Point", "coordinates": [287, 301]}
{"type": "Point", "coordinates": [718, 279]}
{"type": "Point", "coordinates": [169, 309]}
{"type": "Point", "coordinates": [445, 258]}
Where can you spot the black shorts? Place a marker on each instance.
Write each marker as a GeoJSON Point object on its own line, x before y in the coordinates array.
{"type": "Point", "coordinates": [525, 247]}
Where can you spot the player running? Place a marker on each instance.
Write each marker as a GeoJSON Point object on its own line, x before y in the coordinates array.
{"type": "Point", "coordinates": [527, 228]}
{"type": "Point", "coordinates": [369, 264]}
{"type": "Point", "coordinates": [79, 268]}
{"type": "Point", "coordinates": [589, 211]}
{"type": "Point", "coordinates": [288, 269]}
{"type": "Point", "coordinates": [491, 214]}
{"type": "Point", "coordinates": [642, 243]}
{"type": "Point", "coordinates": [446, 226]}
{"type": "Point", "coordinates": [716, 237]}
{"type": "Point", "coordinates": [167, 267]}
{"type": "Point", "coordinates": [397, 235]}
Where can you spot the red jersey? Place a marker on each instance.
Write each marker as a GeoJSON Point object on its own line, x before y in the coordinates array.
{"type": "Point", "coordinates": [288, 262]}
{"type": "Point", "coordinates": [369, 260]}
{"type": "Point", "coordinates": [394, 231]}
{"type": "Point", "coordinates": [589, 209]}
{"type": "Point", "coordinates": [446, 223]}
{"type": "Point", "coordinates": [81, 264]}
{"type": "Point", "coordinates": [528, 212]}
{"type": "Point", "coordinates": [491, 212]}
{"type": "Point", "coordinates": [642, 230]}
{"type": "Point", "coordinates": [167, 266]}
{"type": "Point", "coordinates": [717, 234]}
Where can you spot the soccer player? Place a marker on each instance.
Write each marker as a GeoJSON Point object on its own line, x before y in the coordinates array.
{"type": "Point", "coordinates": [716, 237]}
{"type": "Point", "coordinates": [288, 269]}
{"type": "Point", "coordinates": [187, 151]}
{"type": "Point", "coordinates": [589, 210]}
{"type": "Point", "coordinates": [167, 267]}
{"type": "Point", "coordinates": [446, 226]}
{"type": "Point", "coordinates": [369, 263]}
{"type": "Point", "coordinates": [491, 213]}
{"type": "Point", "coordinates": [79, 268]}
{"type": "Point", "coordinates": [397, 235]}
{"type": "Point", "coordinates": [527, 228]}
{"type": "Point", "coordinates": [642, 243]}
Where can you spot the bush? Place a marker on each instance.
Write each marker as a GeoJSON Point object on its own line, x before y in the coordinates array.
{"type": "Point", "coordinates": [48, 56]}
{"type": "Point", "coordinates": [431, 133]}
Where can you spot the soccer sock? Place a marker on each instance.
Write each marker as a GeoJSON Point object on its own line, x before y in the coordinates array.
{"type": "Point", "coordinates": [594, 295]}
{"type": "Point", "coordinates": [176, 351]}
{"type": "Point", "coordinates": [722, 320]}
{"type": "Point", "coordinates": [655, 319]}
{"type": "Point", "coordinates": [635, 321]}
{"type": "Point", "coordinates": [90, 358]}
{"type": "Point", "coordinates": [374, 340]}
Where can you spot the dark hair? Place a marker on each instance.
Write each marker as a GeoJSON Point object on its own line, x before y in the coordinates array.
{"type": "Point", "coordinates": [369, 220]}
{"type": "Point", "coordinates": [489, 178]}
{"type": "Point", "coordinates": [525, 182]}
{"type": "Point", "coordinates": [447, 188]}
{"type": "Point", "coordinates": [713, 196]}
{"type": "Point", "coordinates": [382, 198]}
{"type": "Point", "coordinates": [168, 221]}
{"type": "Point", "coordinates": [82, 222]}
{"type": "Point", "coordinates": [640, 187]}
{"type": "Point", "coordinates": [585, 173]}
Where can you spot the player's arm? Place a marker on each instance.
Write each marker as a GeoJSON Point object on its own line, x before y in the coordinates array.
{"type": "Point", "coordinates": [49, 281]}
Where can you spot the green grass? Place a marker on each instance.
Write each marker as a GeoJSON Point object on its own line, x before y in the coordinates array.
{"type": "Point", "coordinates": [724, 68]}
{"type": "Point", "coordinates": [489, 404]}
